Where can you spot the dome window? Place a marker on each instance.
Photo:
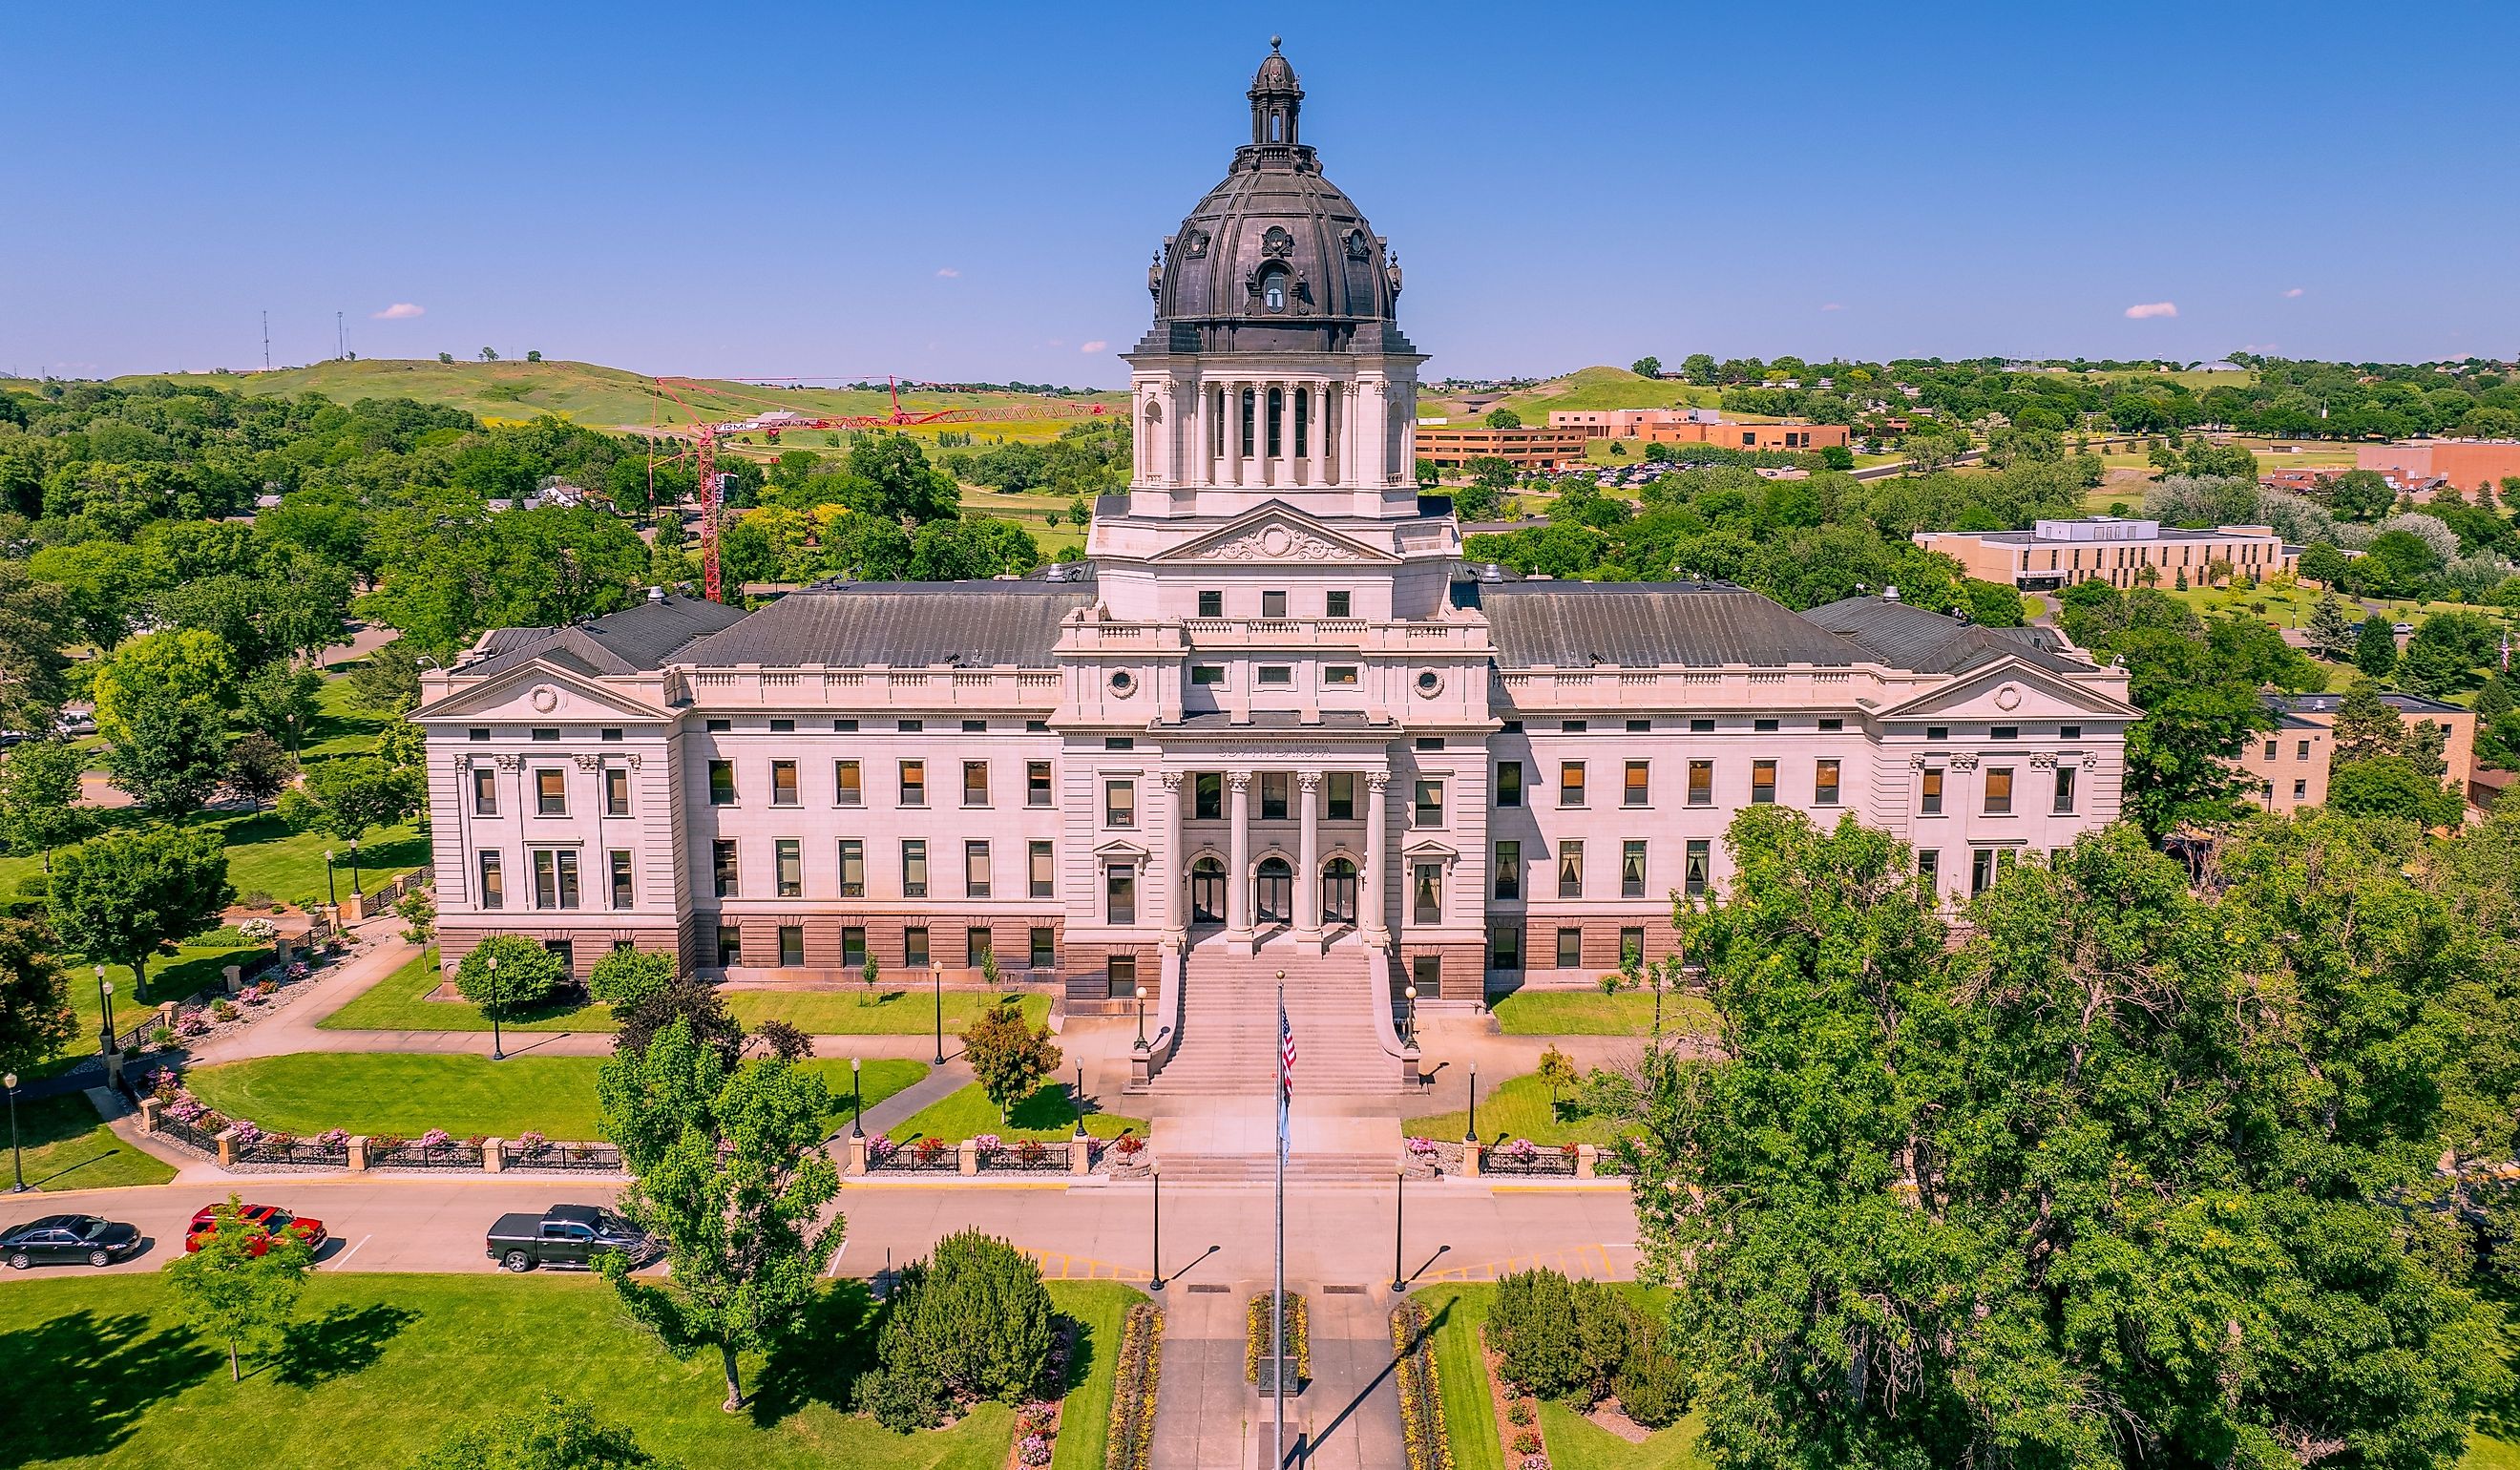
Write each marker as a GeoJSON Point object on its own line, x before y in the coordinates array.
{"type": "Point", "coordinates": [1272, 289]}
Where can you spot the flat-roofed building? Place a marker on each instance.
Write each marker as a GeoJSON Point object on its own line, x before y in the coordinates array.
{"type": "Point", "coordinates": [2291, 763]}
{"type": "Point", "coordinates": [1792, 437]}
{"type": "Point", "coordinates": [2464, 462]}
{"type": "Point", "coordinates": [2055, 553]}
{"type": "Point", "coordinates": [1528, 448]}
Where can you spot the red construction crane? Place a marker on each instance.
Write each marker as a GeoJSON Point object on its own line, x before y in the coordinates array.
{"type": "Point", "coordinates": [703, 437]}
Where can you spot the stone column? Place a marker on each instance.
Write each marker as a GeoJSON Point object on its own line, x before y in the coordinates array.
{"type": "Point", "coordinates": [1203, 464]}
{"type": "Point", "coordinates": [1376, 916]}
{"type": "Point", "coordinates": [1238, 892]}
{"type": "Point", "coordinates": [1173, 861]}
{"type": "Point", "coordinates": [1233, 432]}
{"type": "Point", "coordinates": [1321, 434]}
{"type": "Point", "coordinates": [1308, 865]}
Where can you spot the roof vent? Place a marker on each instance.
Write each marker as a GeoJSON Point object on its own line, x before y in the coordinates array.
{"type": "Point", "coordinates": [656, 594]}
{"type": "Point", "coordinates": [1057, 571]}
{"type": "Point", "coordinates": [1493, 573]}
{"type": "Point", "coordinates": [1890, 594]}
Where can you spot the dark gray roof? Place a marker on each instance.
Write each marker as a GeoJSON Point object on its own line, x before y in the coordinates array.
{"type": "Point", "coordinates": [1905, 636]}
{"type": "Point", "coordinates": [2166, 533]}
{"type": "Point", "coordinates": [2404, 705]}
{"type": "Point", "coordinates": [1648, 625]}
{"type": "Point", "coordinates": [639, 639]}
{"type": "Point", "coordinates": [904, 624]}
{"type": "Point", "coordinates": [1218, 721]}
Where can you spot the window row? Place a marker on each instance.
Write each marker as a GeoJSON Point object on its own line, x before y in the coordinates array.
{"type": "Point", "coordinates": [555, 881]}
{"type": "Point", "coordinates": [788, 869]}
{"type": "Point", "coordinates": [1636, 783]}
{"type": "Point", "coordinates": [1996, 791]}
{"type": "Point", "coordinates": [1507, 870]}
{"type": "Point", "coordinates": [848, 783]}
{"type": "Point", "coordinates": [1336, 602]}
{"type": "Point", "coordinates": [1275, 675]}
{"type": "Point", "coordinates": [1273, 794]}
{"type": "Point", "coordinates": [550, 791]}
{"type": "Point", "coordinates": [1506, 948]}
{"type": "Point", "coordinates": [979, 946]}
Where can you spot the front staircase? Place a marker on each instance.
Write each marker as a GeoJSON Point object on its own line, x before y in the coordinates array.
{"type": "Point", "coordinates": [1229, 1025]}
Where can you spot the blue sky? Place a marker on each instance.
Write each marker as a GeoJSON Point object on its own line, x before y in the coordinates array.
{"type": "Point", "coordinates": [972, 191]}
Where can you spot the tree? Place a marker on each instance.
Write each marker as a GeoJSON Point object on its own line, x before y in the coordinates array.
{"type": "Point", "coordinates": [971, 1321]}
{"type": "Point", "coordinates": [387, 681]}
{"type": "Point", "coordinates": [2322, 563]}
{"type": "Point", "coordinates": [170, 754]}
{"type": "Point", "coordinates": [2390, 786]}
{"type": "Point", "coordinates": [489, 354]}
{"type": "Point", "coordinates": [1557, 1072]}
{"type": "Point", "coordinates": [2375, 646]}
{"type": "Point", "coordinates": [1647, 367]}
{"type": "Point", "coordinates": [2366, 725]}
{"type": "Point", "coordinates": [734, 1198]}
{"type": "Point", "coordinates": [1009, 1057]}
{"type": "Point", "coordinates": [39, 798]}
{"type": "Point", "coordinates": [35, 623]}
{"type": "Point", "coordinates": [279, 701]}
{"type": "Point", "coordinates": [534, 355]}
{"type": "Point", "coordinates": [2442, 657]}
{"type": "Point", "coordinates": [1699, 368]}
{"type": "Point", "coordinates": [555, 1434]}
{"type": "Point", "coordinates": [241, 1284]}
{"type": "Point", "coordinates": [122, 896]}
{"type": "Point", "coordinates": [2331, 634]}
{"type": "Point", "coordinates": [37, 1020]}
{"type": "Point", "coordinates": [1492, 471]}
{"type": "Point", "coordinates": [351, 795]}
{"type": "Point", "coordinates": [258, 769]}
{"type": "Point", "coordinates": [2360, 495]}
{"type": "Point", "coordinates": [188, 665]}
{"type": "Point", "coordinates": [527, 975]}
{"type": "Point", "coordinates": [625, 977]}
{"type": "Point", "coordinates": [101, 587]}
{"type": "Point", "coordinates": [1504, 417]}
{"type": "Point", "coordinates": [687, 1000]}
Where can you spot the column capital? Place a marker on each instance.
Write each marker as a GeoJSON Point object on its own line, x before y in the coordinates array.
{"type": "Point", "coordinates": [1376, 781]}
{"type": "Point", "coordinates": [1308, 781]}
{"type": "Point", "coordinates": [1172, 779]}
{"type": "Point", "coordinates": [1240, 780]}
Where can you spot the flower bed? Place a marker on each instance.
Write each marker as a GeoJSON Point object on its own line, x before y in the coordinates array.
{"type": "Point", "coordinates": [1131, 1443]}
{"type": "Point", "coordinates": [1037, 1427]}
{"type": "Point", "coordinates": [1522, 1156]}
{"type": "Point", "coordinates": [1429, 1158]}
{"type": "Point", "coordinates": [1517, 1415]}
{"type": "Point", "coordinates": [327, 1150]}
{"type": "Point", "coordinates": [1422, 1433]}
{"type": "Point", "coordinates": [925, 1156]}
{"type": "Point", "coordinates": [1299, 1344]}
{"type": "Point", "coordinates": [1126, 1156]}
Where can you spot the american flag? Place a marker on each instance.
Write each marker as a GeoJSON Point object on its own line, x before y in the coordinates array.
{"type": "Point", "coordinates": [1286, 1055]}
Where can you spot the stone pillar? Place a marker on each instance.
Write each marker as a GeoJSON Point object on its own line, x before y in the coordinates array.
{"type": "Point", "coordinates": [1238, 878]}
{"type": "Point", "coordinates": [494, 1155]}
{"type": "Point", "coordinates": [1172, 861]}
{"type": "Point", "coordinates": [1321, 434]}
{"type": "Point", "coordinates": [358, 1146]}
{"type": "Point", "coordinates": [234, 975]}
{"type": "Point", "coordinates": [1376, 916]}
{"type": "Point", "coordinates": [1587, 1161]}
{"type": "Point", "coordinates": [966, 1157]}
{"type": "Point", "coordinates": [1234, 431]}
{"type": "Point", "coordinates": [1080, 1156]}
{"type": "Point", "coordinates": [1200, 464]}
{"type": "Point", "coordinates": [149, 1115]}
{"type": "Point", "coordinates": [857, 1160]}
{"type": "Point", "coordinates": [1308, 864]}
{"type": "Point", "coordinates": [1470, 1161]}
{"type": "Point", "coordinates": [227, 1147]}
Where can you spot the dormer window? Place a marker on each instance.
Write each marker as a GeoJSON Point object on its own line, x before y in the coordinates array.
{"type": "Point", "coordinates": [1272, 289]}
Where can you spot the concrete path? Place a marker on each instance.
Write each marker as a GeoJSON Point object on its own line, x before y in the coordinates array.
{"type": "Point", "coordinates": [1349, 1414]}
{"type": "Point", "coordinates": [1207, 1413]}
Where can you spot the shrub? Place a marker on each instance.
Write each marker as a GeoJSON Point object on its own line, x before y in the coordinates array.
{"type": "Point", "coordinates": [1520, 1411]}
{"type": "Point", "coordinates": [527, 976]}
{"type": "Point", "coordinates": [971, 1321]}
{"type": "Point", "coordinates": [625, 977]}
{"type": "Point", "coordinates": [1560, 1339]}
{"type": "Point", "coordinates": [1527, 1441]}
{"type": "Point", "coordinates": [1651, 1385]}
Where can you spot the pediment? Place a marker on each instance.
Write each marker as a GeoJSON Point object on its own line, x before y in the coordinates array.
{"type": "Point", "coordinates": [2011, 689]}
{"type": "Point", "coordinates": [538, 689]}
{"type": "Point", "coordinates": [1431, 849]}
{"type": "Point", "coordinates": [1122, 848]}
{"type": "Point", "coordinates": [1278, 534]}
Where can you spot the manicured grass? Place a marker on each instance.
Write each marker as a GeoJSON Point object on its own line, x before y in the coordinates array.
{"type": "Point", "coordinates": [1100, 1309]}
{"type": "Point", "coordinates": [2486, 1452]}
{"type": "Point", "coordinates": [1047, 1115]}
{"type": "Point", "coordinates": [67, 1146]}
{"type": "Point", "coordinates": [1574, 1443]}
{"type": "Point", "coordinates": [400, 1359]}
{"type": "Point", "coordinates": [408, 1094]}
{"type": "Point", "coordinates": [890, 1011]}
{"type": "Point", "coordinates": [1589, 1012]}
{"type": "Point", "coordinates": [1518, 1109]}
{"type": "Point", "coordinates": [400, 1002]}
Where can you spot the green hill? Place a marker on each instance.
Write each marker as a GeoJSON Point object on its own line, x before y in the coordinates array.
{"type": "Point", "coordinates": [1590, 388]}
{"type": "Point", "coordinates": [611, 398]}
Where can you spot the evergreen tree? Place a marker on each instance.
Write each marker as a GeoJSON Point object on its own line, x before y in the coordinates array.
{"type": "Point", "coordinates": [2331, 633]}
{"type": "Point", "coordinates": [2367, 726]}
{"type": "Point", "coordinates": [2375, 646]}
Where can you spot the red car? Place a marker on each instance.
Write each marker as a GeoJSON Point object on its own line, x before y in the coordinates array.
{"type": "Point", "coordinates": [271, 1217]}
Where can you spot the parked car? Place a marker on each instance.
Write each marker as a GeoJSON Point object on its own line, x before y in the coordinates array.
{"type": "Point", "coordinates": [91, 1239]}
{"type": "Point", "coordinates": [271, 1217]}
{"type": "Point", "coordinates": [576, 1236]}
{"type": "Point", "coordinates": [75, 724]}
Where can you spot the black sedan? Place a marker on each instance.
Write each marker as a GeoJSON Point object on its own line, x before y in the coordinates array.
{"type": "Point", "coordinates": [68, 1237]}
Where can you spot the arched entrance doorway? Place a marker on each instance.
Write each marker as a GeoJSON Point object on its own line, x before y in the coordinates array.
{"type": "Point", "coordinates": [1338, 892]}
{"type": "Point", "coordinates": [1207, 892]}
{"type": "Point", "coordinates": [1275, 890]}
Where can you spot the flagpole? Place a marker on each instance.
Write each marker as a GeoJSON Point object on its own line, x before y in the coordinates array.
{"type": "Point", "coordinates": [1277, 1296]}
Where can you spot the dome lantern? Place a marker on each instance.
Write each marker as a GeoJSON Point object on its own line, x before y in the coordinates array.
{"type": "Point", "coordinates": [1275, 99]}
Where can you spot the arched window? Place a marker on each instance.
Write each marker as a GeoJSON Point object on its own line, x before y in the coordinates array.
{"type": "Point", "coordinates": [1275, 891]}
{"type": "Point", "coordinates": [1272, 289]}
{"type": "Point", "coordinates": [1207, 892]}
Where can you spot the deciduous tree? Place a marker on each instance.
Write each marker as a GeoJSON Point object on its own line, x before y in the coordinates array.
{"type": "Point", "coordinates": [35, 1017]}
{"type": "Point", "coordinates": [41, 806]}
{"type": "Point", "coordinates": [1009, 1056]}
{"type": "Point", "coordinates": [124, 896]}
{"type": "Point", "coordinates": [527, 975]}
{"type": "Point", "coordinates": [170, 754]}
{"type": "Point", "coordinates": [555, 1434]}
{"type": "Point", "coordinates": [241, 1286]}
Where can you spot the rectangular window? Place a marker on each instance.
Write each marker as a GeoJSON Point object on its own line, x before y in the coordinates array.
{"type": "Point", "coordinates": [623, 897]}
{"type": "Point", "coordinates": [910, 727]}
{"type": "Point", "coordinates": [485, 791]}
{"type": "Point", "coordinates": [853, 954]}
{"type": "Point", "coordinates": [1999, 790]}
{"type": "Point", "coordinates": [730, 946]}
{"type": "Point", "coordinates": [1272, 605]}
{"type": "Point", "coordinates": [1508, 870]}
{"type": "Point", "coordinates": [718, 727]}
{"type": "Point", "coordinates": [1831, 725]}
{"type": "Point", "coordinates": [1763, 727]}
{"type": "Point", "coordinates": [1427, 890]}
{"type": "Point", "coordinates": [783, 727]}
{"type": "Point", "coordinates": [2268, 753]}
{"type": "Point", "coordinates": [782, 784]}
{"type": "Point", "coordinates": [725, 880]}
{"type": "Point", "coordinates": [2301, 791]}
{"type": "Point", "coordinates": [555, 877]}
{"type": "Point", "coordinates": [616, 791]}
{"type": "Point", "coordinates": [1631, 948]}
{"type": "Point", "coordinates": [1339, 796]}
{"type": "Point", "coordinates": [1981, 870]}
{"type": "Point", "coordinates": [1931, 785]}
{"type": "Point", "coordinates": [790, 854]}
{"type": "Point", "coordinates": [1632, 869]}
{"type": "Point", "coordinates": [914, 784]}
{"type": "Point", "coordinates": [494, 886]}
{"type": "Point", "coordinates": [551, 793]}
{"type": "Point", "coordinates": [1045, 876]}
{"type": "Point", "coordinates": [1505, 947]}
{"type": "Point", "coordinates": [1207, 795]}
{"type": "Point", "coordinates": [1763, 782]}
{"type": "Point", "coordinates": [844, 726]}
{"type": "Point", "coordinates": [792, 947]}
{"type": "Point", "coordinates": [1119, 803]}
{"type": "Point", "coordinates": [852, 867]}
{"type": "Point", "coordinates": [1692, 877]}
{"type": "Point", "coordinates": [1206, 674]}
{"type": "Point", "coordinates": [848, 782]}
{"type": "Point", "coordinates": [914, 867]}
{"type": "Point", "coordinates": [1702, 725]}
{"type": "Point", "coordinates": [477, 733]}
{"type": "Point", "coordinates": [1570, 869]}
{"type": "Point", "coordinates": [2301, 750]}
{"type": "Point", "coordinates": [1636, 789]}
{"type": "Point", "coordinates": [548, 736]}
{"type": "Point", "coordinates": [1701, 784]}
{"type": "Point", "coordinates": [975, 784]}
{"type": "Point", "coordinates": [1044, 945]}
{"type": "Point", "coordinates": [1120, 895]}
{"type": "Point", "coordinates": [1509, 783]}
{"type": "Point", "coordinates": [2003, 733]}
{"type": "Point", "coordinates": [1574, 727]}
{"type": "Point", "coordinates": [1825, 784]}
{"type": "Point", "coordinates": [977, 946]}
{"type": "Point", "coordinates": [1211, 605]}
{"type": "Point", "coordinates": [1929, 869]}
{"type": "Point", "coordinates": [914, 948]}
{"type": "Point", "coordinates": [721, 779]}
{"type": "Point", "coordinates": [2069, 731]}
{"type": "Point", "coordinates": [1427, 972]}
{"type": "Point", "coordinates": [1277, 792]}
{"type": "Point", "coordinates": [975, 726]}
{"type": "Point", "coordinates": [1037, 791]}
{"type": "Point", "coordinates": [1640, 727]}
{"type": "Point", "coordinates": [1120, 977]}
{"type": "Point", "coordinates": [1338, 604]}
{"type": "Point", "coordinates": [1431, 802]}
{"type": "Point", "coordinates": [1277, 674]}
{"type": "Point", "coordinates": [1570, 948]}
{"type": "Point", "coordinates": [1570, 783]}
{"type": "Point", "coordinates": [1339, 675]}
{"type": "Point", "coordinates": [975, 868]}
{"type": "Point", "coordinates": [2064, 804]}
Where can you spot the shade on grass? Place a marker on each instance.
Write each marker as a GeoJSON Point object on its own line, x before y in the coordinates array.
{"type": "Point", "coordinates": [67, 1146]}
{"type": "Point", "coordinates": [406, 1094]}
{"type": "Point", "coordinates": [887, 1010]}
{"type": "Point", "coordinates": [1589, 1012]}
{"type": "Point", "coordinates": [400, 1002]}
{"type": "Point", "coordinates": [405, 1358]}
{"type": "Point", "coordinates": [1518, 1108]}
{"type": "Point", "coordinates": [1048, 1115]}
{"type": "Point", "coordinates": [1574, 1443]}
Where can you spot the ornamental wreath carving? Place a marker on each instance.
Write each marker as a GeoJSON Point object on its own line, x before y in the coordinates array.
{"type": "Point", "coordinates": [1194, 245]}
{"type": "Point", "coordinates": [1276, 243]}
{"type": "Point", "coordinates": [1358, 246]}
{"type": "Point", "coordinates": [1279, 544]}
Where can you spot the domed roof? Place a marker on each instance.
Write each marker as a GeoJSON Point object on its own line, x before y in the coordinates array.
{"type": "Point", "coordinates": [1274, 244]}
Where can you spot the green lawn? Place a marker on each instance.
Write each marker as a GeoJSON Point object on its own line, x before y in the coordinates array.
{"type": "Point", "coordinates": [400, 1002]}
{"type": "Point", "coordinates": [890, 1011]}
{"type": "Point", "coordinates": [408, 1094]}
{"type": "Point", "coordinates": [67, 1146]}
{"type": "Point", "coordinates": [1574, 1444]}
{"type": "Point", "coordinates": [1047, 1115]}
{"type": "Point", "coordinates": [1516, 1109]}
{"type": "Point", "coordinates": [402, 1358]}
{"type": "Point", "coordinates": [1589, 1012]}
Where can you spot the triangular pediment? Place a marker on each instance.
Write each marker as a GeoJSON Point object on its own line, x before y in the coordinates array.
{"type": "Point", "coordinates": [2011, 689]}
{"type": "Point", "coordinates": [1122, 848]}
{"type": "Point", "coordinates": [1278, 534]}
{"type": "Point", "coordinates": [540, 690]}
{"type": "Point", "coordinates": [1431, 849]}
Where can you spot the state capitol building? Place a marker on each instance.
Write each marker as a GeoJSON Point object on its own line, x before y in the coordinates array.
{"type": "Point", "coordinates": [1273, 720]}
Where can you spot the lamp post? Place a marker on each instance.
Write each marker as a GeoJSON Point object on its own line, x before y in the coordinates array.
{"type": "Point", "coordinates": [1471, 1137]}
{"type": "Point", "coordinates": [936, 972]}
{"type": "Point", "coordinates": [331, 894]}
{"type": "Point", "coordinates": [1079, 1096]}
{"type": "Point", "coordinates": [498, 1053]}
{"type": "Point", "coordinates": [17, 1158]}
{"type": "Point", "coordinates": [355, 869]}
{"type": "Point", "coordinates": [104, 1012]}
{"type": "Point", "coordinates": [1411, 1036]}
{"type": "Point", "coordinates": [857, 1102]}
{"type": "Point", "coordinates": [1141, 995]}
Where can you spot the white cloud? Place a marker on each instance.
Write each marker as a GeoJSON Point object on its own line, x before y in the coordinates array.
{"type": "Point", "coordinates": [2146, 310]}
{"type": "Point", "coordinates": [1095, 346]}
{"type": "Point", "coordinates": [400, 311]}
{"type": "Point", "coordinates": [1832, 306]}
{"type": "Point", "coordinates": [2295, 291]}
{"type": "Point", "coordinates": [947, 272]}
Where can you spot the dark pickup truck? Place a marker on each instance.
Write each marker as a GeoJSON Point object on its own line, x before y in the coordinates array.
{"type": "Point", "coordinates": [567, 1235]}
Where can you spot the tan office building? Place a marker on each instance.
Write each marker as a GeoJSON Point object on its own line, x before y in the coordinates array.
{"type": "Point", "coordinates": [2290, 764]}
{"type": "Point", "coordinates": [2054, 554]}
{"type": "Point", "coordinates": [1524, 448]}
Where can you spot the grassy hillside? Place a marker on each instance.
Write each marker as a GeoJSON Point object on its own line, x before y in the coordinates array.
{"type": "Point", "coordinates": [1587, 388]}
{"type": "Point", "coordinates": [612, 398]}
